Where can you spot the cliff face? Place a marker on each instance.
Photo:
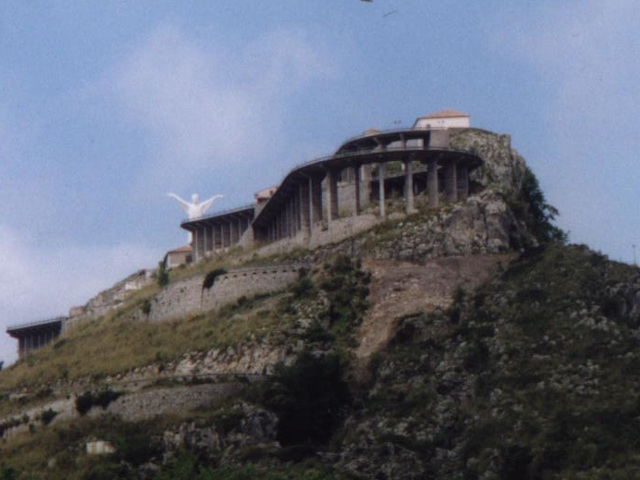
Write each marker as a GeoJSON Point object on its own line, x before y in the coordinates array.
{"type": "Point", "coordinates": [445, 344]}
{"type": "Point", "coordinates": [503, 169]}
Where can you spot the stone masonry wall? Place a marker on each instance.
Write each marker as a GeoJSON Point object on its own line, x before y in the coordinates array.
{"type": "Point", "coordinates": [187, 297]}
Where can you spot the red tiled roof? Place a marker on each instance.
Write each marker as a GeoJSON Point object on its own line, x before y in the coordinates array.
{"type": "Point", "coordinates": [184, 249]}
{"type": "Point", "coordinates": [445, 114]}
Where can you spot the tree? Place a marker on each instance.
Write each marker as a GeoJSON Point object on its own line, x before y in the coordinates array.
{"type": "Point", "coordinates": [539, 216]}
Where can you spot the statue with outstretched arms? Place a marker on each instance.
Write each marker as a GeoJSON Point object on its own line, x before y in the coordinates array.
{"type": "Point", "coordinates": [195, 209]}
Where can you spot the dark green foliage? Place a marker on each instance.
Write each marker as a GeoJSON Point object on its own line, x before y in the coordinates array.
{"type": "Point", "coordinates": [530, 206]}
{"type": "Point", "coordinates": [302, 287]}
{"type": "Point", "coordinates": [308, 398]}
{"type": "Point", "coordinates": [7, 473]}
{"type": "Point", "coordinates": [346, 287]}
{"type": "Point", "coordinates": [47, 416]}
{"type": "Point", "coordinates": [108, 470]}
{"type": "Point", "coordinates": [146, 306]}
{"type": "Point", "coordinates": [87, 400]}
{"type": "Point", "coordinates": [210, 278]}
{"type": "Point", "coordinates": [134, 444]}
{"type": "Point", "coordinates": [186, 466]}
{"type": "Point", "coordinates": [163, 275]}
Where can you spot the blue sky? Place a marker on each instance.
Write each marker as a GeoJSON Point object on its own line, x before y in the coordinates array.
{"type": "Point", "coordinates": [107, 106]}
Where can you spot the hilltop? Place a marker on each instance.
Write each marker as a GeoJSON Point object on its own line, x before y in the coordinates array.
{"type": "Point", "coordinates": [465, 341]}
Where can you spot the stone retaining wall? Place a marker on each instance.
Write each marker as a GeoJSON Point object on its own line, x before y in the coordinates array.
{"type": "Point", "coordinates": [188, 296]}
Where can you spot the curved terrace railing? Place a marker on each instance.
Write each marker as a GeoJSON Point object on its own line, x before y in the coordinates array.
{"type": "Point", "coordinates": [227, 211]}
{"type": "Point", "coordinates": [37, 323]}
{"type": "Point", "coordinates": [394, 131]}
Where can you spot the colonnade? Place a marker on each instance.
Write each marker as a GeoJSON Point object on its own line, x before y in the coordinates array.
{"type": "Point", "coordinates": [217, 232]}
{"type": "Point", "coordinates": [35, 335]}
{"type": "Point", "coordinates": [300, 208]}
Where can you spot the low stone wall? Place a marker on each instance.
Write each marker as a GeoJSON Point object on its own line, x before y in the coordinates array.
{"type": "Point", "coordinates": [151, 403]}
{"type": "Point", "coordinates": [188, 296]}
{"type": "Point", "coordinates": [343, 228]}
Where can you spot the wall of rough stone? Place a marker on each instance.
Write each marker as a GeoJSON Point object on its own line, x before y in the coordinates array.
{"type": "Point", "coordinates": [188, 296]}
{"type": "Point", "coordinates": [151, 403]}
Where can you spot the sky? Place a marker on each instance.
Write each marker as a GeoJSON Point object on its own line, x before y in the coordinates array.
{"type": "Point", "coordinates": [107, 106]}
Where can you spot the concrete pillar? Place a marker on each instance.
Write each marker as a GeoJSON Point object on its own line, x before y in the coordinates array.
{"type": "Point", "coordinates": [294, 214]}
{"type": "Point", "coordinates": [463, 182]}
{"type": "Point", "coordinates": [365, 185]}
{"type": "Point", "coordinates": [408, 185]}
{"type": "Point", "coordinates": [232, 232]}
{"type": "Point", "coordinates": [332, 191]}
{"type": "Point", "coordinates": [196, 245]}
{"type": "Point", "coordinates": [316, 201]}
{"type": "Point", "coordinates": [279, 226]}
{"type": "Point", "coordinates": [450, 182]}
{"type": "Point", "coordinates": [356, 185]}
{"type": "Point", "coordinates": [225, 235]}
{"type": "Point", "coordinates": [381, 196]}
{"type": "Point", "coordinates": [287, 219]}
{"type": "Point", "coordinates": [304, 192]}
{"type": "Point", "coordinates": [218, 237]}
{"type": "Point", "coordinates": [432, 182]}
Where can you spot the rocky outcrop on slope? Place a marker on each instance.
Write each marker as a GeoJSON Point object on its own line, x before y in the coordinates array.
{"type": "Point", "coordinates": [503, 167]}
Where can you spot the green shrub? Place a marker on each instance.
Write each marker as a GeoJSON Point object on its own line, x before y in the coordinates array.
{"type": "Point", "coordinates": [47, 416]}
{"type": "Point", "coordinates": [210, 277]}
{"type": "Point", "coordinates": [308, 397]}
{"type": "Point", "coordinates": [88, 400]}
{"type": "Point", "coordinates": [163, 275]}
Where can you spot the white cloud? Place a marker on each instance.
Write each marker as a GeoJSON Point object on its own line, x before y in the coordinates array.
{"type": "Point", "coordinates": [206, 106]}
{"type": "Point", "coordinates": [39, 283]}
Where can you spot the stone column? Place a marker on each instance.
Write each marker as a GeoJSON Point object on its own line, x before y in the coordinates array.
{"type": "Point", "coordinates": [332, 191]}
{"type": "Point", "coordinates": [432, 182]}
{"type": "Point", "coordinates": [408, 185]}
{"type": "Point", "coordinates": [356, 185]}
{"type": "Point", "coordinates": [451, 182]}
{"type": "Point", "coordinates": [381, 196]}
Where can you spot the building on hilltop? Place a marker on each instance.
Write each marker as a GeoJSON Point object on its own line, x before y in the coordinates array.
{"type": "Point", "coordinates": [178, 256]}
{"type": "Point", "coordinates": [443, 119]}
{"type": "Point", "coordinates": [327, 199]}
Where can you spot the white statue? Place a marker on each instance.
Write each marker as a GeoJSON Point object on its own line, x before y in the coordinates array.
{"type": "Point", "coordinates": [194, 209]}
